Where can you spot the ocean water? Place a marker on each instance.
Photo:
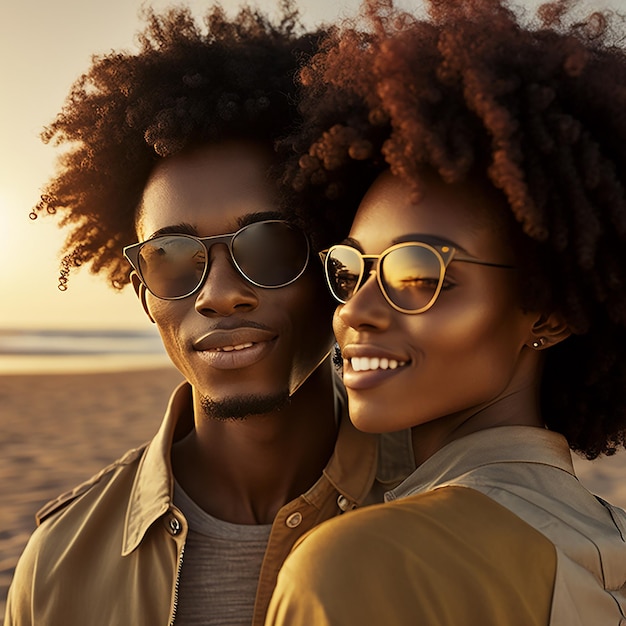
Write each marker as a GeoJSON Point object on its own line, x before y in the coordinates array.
{"type": "Point", "coordinates": [62, 351]}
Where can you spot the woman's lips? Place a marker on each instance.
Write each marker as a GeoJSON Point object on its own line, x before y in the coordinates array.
{"type": "Point", "coordinates": [366, 366]}
{"type": "Point", "coordinates": [366, 363]}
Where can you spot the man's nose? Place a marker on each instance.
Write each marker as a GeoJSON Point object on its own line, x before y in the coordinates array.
{"type": "Point", "coordinates": [225, 291]}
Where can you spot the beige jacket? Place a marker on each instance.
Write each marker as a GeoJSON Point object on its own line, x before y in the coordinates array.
{"type": "Point", "coordinates": [110, 551]}
{"type": "Point", "coordinates": [492, 530]}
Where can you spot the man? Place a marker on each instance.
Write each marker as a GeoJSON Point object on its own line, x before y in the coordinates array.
{"type": "Point", "coordinates": [173, 148]}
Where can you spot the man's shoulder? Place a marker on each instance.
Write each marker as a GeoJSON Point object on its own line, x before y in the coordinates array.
{"type": "Point", "coordinates": [125, 464]}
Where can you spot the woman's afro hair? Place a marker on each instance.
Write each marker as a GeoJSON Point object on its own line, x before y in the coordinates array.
{"type": "Point", "coordinates": [534, 105]}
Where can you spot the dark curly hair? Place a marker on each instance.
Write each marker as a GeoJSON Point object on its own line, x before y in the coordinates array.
{"type": "Point", "coordinates": [534, 105]}
{"type": "Point", "coordinates": [187, 85]}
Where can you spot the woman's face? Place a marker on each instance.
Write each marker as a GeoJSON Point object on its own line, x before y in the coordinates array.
{"type": "Point", "coordinates": [467, 351]}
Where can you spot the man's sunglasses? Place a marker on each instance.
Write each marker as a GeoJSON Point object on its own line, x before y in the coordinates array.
{"type": "Point", "coordinates": [410, 275]}
{"type": "Point", "coordinates": [269, 254]}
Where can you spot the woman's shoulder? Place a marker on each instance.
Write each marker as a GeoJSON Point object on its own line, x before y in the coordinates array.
{"type": "Point", "coordinates": [447, 525]}
{"type": "Point", "coordinates": [411, 556]}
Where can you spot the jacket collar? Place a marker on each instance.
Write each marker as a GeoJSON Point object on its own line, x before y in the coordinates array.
{"type": "Point", "coordinates": [503, 444]}
{"type": "Point", "coordinates": [351, 469]}
{"type": "Point", "coordinates": [151, 495]}
{"type": "Point", "coordinates": [353, 465]}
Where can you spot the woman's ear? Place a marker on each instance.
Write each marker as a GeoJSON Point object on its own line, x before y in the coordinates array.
{"type": "Point", "coordinates": [140, 290]}
{"type": "Point", "coordinates": [548, 330]}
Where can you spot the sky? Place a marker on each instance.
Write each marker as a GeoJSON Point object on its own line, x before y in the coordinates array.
{"type": "Point", "coordinates": [44, 47]}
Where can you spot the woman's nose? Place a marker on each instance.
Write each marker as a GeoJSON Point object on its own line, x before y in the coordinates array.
{"type": "Point", "coordinates": [367, 308]}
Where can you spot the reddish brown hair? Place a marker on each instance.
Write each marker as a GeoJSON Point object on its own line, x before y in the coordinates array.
{"type": "Point", "coordinates": [536, 106]}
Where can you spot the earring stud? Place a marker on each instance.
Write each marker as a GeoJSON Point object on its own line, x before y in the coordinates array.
{"type": "Point", "coordinates": [540, 342]}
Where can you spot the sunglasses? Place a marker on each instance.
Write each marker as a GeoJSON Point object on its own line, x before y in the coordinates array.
{"type": "Point", "coordinates": [410, 275]}
{"type": "Point", "coordinates": [269, 254]}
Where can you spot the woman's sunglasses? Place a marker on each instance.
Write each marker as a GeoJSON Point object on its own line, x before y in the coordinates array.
{"type": "Point", "coordinates": [410, 275]}
{"type": "Point", "coordinates": [269, 254]}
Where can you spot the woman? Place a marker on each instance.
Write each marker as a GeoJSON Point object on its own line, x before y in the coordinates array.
{"type": "Point", "coordinates": [483, 304]}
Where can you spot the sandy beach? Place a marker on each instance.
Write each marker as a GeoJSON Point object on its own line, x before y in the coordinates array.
{"type": "Point", "coordinates": [58, 430]}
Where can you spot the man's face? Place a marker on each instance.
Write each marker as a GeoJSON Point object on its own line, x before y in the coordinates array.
{"type": "Point", "coordinates": [243, 348]}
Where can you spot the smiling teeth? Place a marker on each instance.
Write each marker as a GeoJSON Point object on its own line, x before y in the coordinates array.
{"type": "Point", "coordinates": [240, 346]}
{"type": "Point", "coordinates": [366, 363]}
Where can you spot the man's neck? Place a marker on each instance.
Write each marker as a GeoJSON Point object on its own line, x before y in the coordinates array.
{"type": "Point", "coordinates": [243, 471]}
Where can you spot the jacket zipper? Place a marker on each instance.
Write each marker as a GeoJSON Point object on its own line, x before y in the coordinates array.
{"type": "Point", "coordinates": [176, 586]}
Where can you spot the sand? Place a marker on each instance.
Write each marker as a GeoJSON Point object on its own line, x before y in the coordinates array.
{"type": "Point", "coordinates": [58, 430]}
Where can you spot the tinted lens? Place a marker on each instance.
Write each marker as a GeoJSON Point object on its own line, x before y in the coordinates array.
{"type": "Point", "coordinates": [172, 266]}
{"type": "Point", "coordinates": [411, 276]}
{"type": "Point", "coordinates": [343, 271]}
{"type": "Point", "coordinates": [270, 254]}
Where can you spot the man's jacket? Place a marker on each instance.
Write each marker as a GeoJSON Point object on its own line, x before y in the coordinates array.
{"type": "Point", "coordinates": [110, 551]}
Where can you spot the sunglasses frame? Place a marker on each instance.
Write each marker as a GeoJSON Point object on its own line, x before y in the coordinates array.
{"type": "Point", "coordinates": [444, 253]}
{"type": "Point", "coordinates": [131, 253]}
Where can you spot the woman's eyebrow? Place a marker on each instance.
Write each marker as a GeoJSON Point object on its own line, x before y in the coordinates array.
{"type": "Point", "coordinates": [412, 237]}
{"type": "Point", "coordinates": [349, 241]}
{"type": "Point", "coordinates": [433, 240]}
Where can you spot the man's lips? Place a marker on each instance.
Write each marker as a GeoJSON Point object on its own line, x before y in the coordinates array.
{"type": "Point", "coordinates": [235, 348]}
{"type": "Point", "coordinates": [233, 339]}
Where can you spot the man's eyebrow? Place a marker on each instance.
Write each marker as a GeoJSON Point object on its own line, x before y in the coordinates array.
{"type": "Point", "coordinates": [185, 228]}
{"type": "Point", "coordinates": [181, 229]}
{"type": "Point", "coordinates": [259, 216]}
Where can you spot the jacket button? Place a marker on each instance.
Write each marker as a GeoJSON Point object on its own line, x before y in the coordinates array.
{"type": "Point", "coordinates": [174, 525]}
{"type": "Point", "coordinates": [294, 520]}
{"type": "Point", "coordinates": [344, 504]}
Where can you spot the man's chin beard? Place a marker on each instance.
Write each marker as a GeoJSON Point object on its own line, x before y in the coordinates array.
{"type": "Point", "coordinates": [240, 407]}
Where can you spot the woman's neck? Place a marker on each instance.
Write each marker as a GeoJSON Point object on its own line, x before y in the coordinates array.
{"type": "Point", "coordinates": [518, 407]}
